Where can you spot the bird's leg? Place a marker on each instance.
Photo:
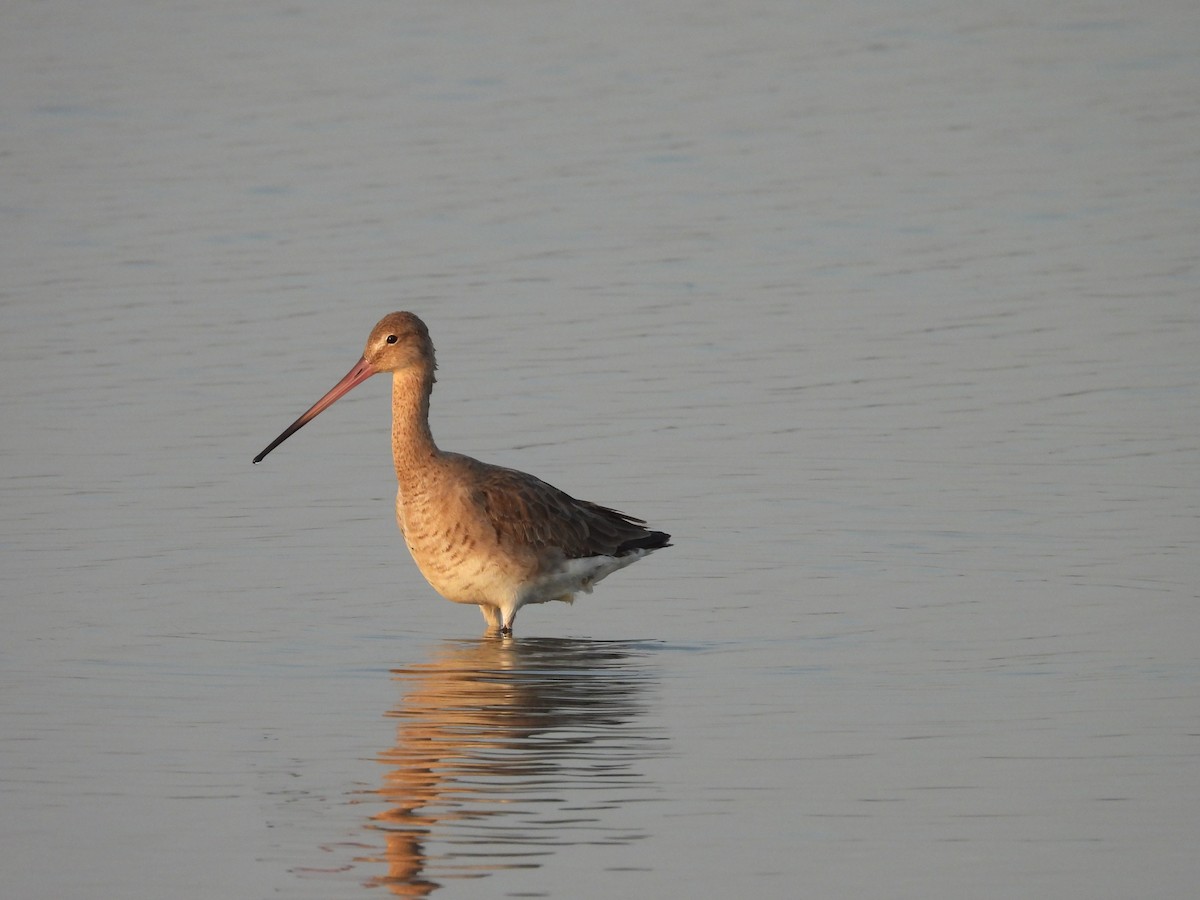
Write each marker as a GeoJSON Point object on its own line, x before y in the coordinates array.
{"type": "Point", "coordinates": [491, 615]}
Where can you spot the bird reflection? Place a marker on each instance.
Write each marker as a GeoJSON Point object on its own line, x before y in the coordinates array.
{"type": "Point", "coordinates": [507, 749]}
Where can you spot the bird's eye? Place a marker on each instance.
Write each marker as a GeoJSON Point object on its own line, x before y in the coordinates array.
{"type": "Point", "coordinates": [391, 339]}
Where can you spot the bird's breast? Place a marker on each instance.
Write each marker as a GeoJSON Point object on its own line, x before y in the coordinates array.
{"type": "Point", "coordinates": [454, 549]}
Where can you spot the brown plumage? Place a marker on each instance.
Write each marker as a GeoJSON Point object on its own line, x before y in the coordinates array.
{"type": "Point", "coordinates": [480, 533]}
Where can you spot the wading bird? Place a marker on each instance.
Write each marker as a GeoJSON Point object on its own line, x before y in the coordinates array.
{"type": "Point", "coordinates": [481, 534]}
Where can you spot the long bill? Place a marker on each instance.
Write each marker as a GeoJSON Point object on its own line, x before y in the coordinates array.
{"type": "Point", "coordinates": [361, 372]}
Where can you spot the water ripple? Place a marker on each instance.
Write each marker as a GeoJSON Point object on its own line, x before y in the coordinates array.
{"type": "Point", "coordinates": [506, 750]}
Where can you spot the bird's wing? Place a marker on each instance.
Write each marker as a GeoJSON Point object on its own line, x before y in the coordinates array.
{"type": "Point", "coordinates": [527, 511]}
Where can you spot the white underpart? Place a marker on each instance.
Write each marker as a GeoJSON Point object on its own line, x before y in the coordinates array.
{"type": "Point", "coordinates": [571, 576]}
{"type": "Point", "coordinates": [576, 575]}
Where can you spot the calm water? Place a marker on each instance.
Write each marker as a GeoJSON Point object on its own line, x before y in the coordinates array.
{"type": "Point", "coordinates": [888, 312]}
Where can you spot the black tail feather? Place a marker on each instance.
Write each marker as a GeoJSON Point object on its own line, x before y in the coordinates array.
{"type": "Point", "coordinates": [651, 540]}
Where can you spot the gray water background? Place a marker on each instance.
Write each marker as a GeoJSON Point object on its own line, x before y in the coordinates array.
{"type": "Point", "coordinates": [888, 312]}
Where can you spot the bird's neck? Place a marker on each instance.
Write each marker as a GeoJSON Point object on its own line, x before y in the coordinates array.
{"type": "Point", "coordinates": [412, 441]}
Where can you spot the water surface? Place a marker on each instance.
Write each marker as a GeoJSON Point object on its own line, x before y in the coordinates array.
{"type": "Point", "coordinates": [887, 312]}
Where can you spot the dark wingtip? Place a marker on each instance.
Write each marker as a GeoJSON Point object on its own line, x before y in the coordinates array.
{"type": "Point", "coordinates": [652, 540]}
